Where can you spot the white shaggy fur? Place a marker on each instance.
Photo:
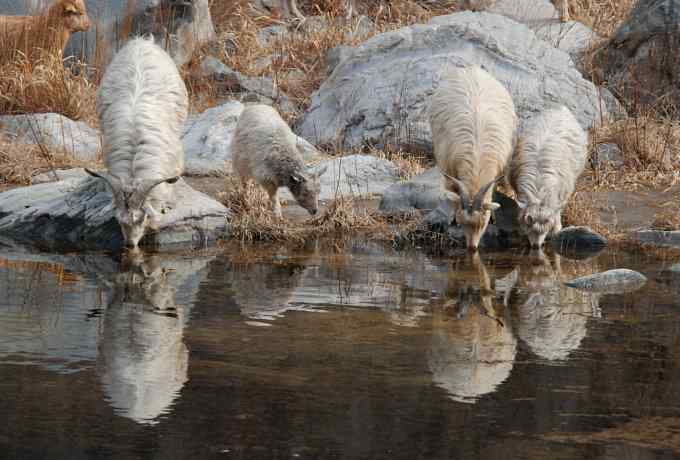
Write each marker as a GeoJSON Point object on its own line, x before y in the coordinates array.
{"type": "Point", "coordinates": [142, 104]}
{"type": "Point", "coordinates": [552, 154]}
{"type": "Point", "coordinates": [265, 149]}
{"type": "Point", "coordinates": [473, 123]}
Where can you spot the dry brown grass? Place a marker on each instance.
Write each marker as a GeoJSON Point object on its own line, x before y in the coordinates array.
{"type": "Point", "coordinates": [19, 163]}
{"type": "Point", "coordinates": [254, 221]}
{"type": "Point", "coordinates": [603, 16]}
{"type": "Point", "coordinates": [44, 84]}
{"type": "Point", "coordinates": [650, 147]}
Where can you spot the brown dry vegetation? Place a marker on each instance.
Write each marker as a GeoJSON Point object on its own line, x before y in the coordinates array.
{"type": "Point", "coordinates": [19, 163]}
{"type": "Point", "coordinates": [253, 220]}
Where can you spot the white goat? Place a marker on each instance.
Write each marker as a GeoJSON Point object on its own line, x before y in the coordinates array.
{"type": "Point", "coordinates": [142, 104]}
{"type": "Point", "coordinates": [473, 123]}
{"type": "Point", "coordinates": [551, 155]}
{"type": "Point", "coordinates": [265, 149]}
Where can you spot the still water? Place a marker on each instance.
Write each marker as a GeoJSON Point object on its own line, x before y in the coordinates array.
{"type": "Point", "coordinates": [350, 351]}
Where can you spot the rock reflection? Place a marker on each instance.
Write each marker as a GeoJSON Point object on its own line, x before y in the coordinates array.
{"type": "Point", "coordinates": [473, 347]}
{"type": "Point", "coordinates": [142, 361]}
{"type": "Point", "coordinates": [551, 317]}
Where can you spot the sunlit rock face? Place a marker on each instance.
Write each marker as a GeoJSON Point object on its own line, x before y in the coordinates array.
{"type": "Point", "coordinates": [551, 317]}
{"type": "Point", "coordinates": [473, 347]}
{"type": "Point", "coordinates": [142, 360]}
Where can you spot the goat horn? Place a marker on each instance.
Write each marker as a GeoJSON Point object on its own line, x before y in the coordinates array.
{"type": "Point", "coordinates": [149, 184]}
{"type": "Point", "coordinates": [461, 190]}
{"type": "Point", "coordinates": [479, 197]}
{"type": "Point", "coordinates": [114, 183]}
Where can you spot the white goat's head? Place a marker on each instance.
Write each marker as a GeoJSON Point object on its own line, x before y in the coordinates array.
{"type": "Point", "coordinates": [305, 187]}
{"type": "Point", "coordinates": [537, 219]}
{"type": "Point", "coordinates": [472, 214]}
{"type": "Point", "coordinates": [133, 213]}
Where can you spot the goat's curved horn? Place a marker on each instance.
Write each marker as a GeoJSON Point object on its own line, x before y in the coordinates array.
{"type": "Point", "coordinates": [479, 197]}
{"type": "Point", "coordinates": [149, 184]}
{"type": "Point", "coordinates": [461, 190]}
{"type": "Point", "coordinates": [114, 183]}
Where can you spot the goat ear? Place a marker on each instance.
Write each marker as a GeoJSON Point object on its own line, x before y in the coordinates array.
{"type": "Point", "coordinates": [453, 197]}
{"type": "Point", "coordinates": [491, 206]}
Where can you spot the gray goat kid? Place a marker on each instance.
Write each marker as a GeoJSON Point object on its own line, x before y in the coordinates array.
{"type": "Point", "coordinates": [142, 104]}
{"type": "Point", "coordinates": [552, 154]}
{"type": "Point", "coordinates": [265, 149]}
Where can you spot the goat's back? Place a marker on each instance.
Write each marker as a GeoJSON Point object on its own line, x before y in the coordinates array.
{"type": "Point", "coordinates": [473, 123]}
{"type": "Point", "coordinates": [263, 139]}
{"type": "Point", "coordinates": [552, 154]}
{"type": "Point", "coordinates": [142, 104]}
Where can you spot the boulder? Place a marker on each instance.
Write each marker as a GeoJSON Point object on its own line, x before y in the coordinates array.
{"type": "Point", "coordinates": [610, 282]}
{"type": "Point", "coordinates": [354, 176]}
{"type": "Point", "coordinates": [58, 174]}
{"type": "Point", "coordinates": [421, 193]}
{"type": "Point", "coordinates": [638, 63]}
{"type": "Point", "coordinates": [578, 241]}
{"type": "Point", "coordinates": [207, 141]}
{"type": "Point", "coordinates": [664, 238]}
{"type": "Point", "coordinates": [541, 16]}
{"type": "Point", "coordinates": [379, 93]}
{"type": "Point", "coordinates": [529, 12]}
{"type": "Point", "coordinates": [78, 214]}
{"type": "Point", "coordinates": [53, 130]}
{"type": "Point", "coordinates": [571, 37]}
{"type": "Point", "coordinates": [250, 89]}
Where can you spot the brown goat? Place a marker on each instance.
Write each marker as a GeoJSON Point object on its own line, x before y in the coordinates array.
{"type": "Point", "coordinates": [50, 30]}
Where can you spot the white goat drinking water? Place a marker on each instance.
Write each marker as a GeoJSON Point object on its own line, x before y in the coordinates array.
{"type": "Point", "coordinates": [551, 155]}
{"type": "Point", "coordinates": [473, 123]}
{"type": "Point", "coordinates": [265, 149]}
{"type": "Point", "coordinates": [142, 104]}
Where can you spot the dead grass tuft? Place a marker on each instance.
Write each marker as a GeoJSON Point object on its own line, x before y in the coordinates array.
{"type": "Point", "coordinates": [19, 163]}
{"type": "Point", "coordinates": [44, 84]}
{"type": "Point", "coordinates": [254, 221]}
{"type": "Point", "coordinates": [603, 16]}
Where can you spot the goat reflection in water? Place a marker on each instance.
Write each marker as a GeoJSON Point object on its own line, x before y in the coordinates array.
{"type": "Point", "coordinates": [475, 335]}
{"type": "Point", "coordinates": [142, 360]}
{"type": "Point", "coordinates": [552, 318]}
{"type": "Point", "coordinates": [473, 347]}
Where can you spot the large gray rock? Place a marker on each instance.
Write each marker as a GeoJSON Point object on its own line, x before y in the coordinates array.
{"type": "Point", "coordinates": [354, 176]}
{"type": "Point", "coordinates": [571, 37]}
{"type": "Point", "coordinates": [421, 193]}
{"type": "Point", "coordinates": [379, 93]}
{"type": "Point", "coordinates": [638, 62]}
{"type": "Point", "coordinates": [541, 16]}
{"type": "Point", "coordinates": [662, 238]}
{"type": "Point", "coordinates": [58, 174]}
{"type": "Point", "coordinates": [78, 214]}
{"type": "Point", "coordinates": [250, 89]}
{"type": "Point", "coordinates": [528, 12]}
{"type": "Point", "coordinates": [610, 282]}
{"type": "Point", "coordinates": [53, 130]}
{"type": "Point", "coordinates": [207, 141]}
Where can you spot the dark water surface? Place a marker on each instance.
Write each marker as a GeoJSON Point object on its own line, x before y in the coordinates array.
{"type": "Point", "coordinates": [356, 352]}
